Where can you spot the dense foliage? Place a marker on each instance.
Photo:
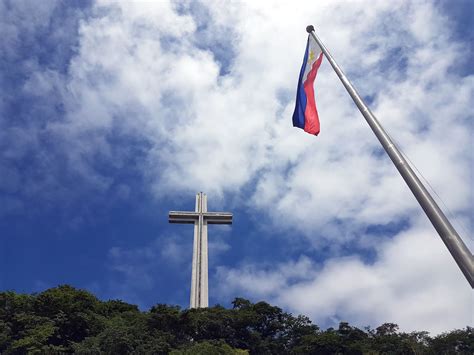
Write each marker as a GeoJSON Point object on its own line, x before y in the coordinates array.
{"type": "Point", "coordinates": [68, 320]}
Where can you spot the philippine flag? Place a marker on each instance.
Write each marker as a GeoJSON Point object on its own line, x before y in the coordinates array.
{"type": "Point", "coordinates": [306, 114]}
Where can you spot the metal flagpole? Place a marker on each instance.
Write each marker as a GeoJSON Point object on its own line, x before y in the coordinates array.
{"type": "Point", "coordinates": [446, 231]}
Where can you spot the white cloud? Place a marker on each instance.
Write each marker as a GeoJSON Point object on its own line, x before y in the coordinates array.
{"type": "Point", "coordinates": [261, 281]}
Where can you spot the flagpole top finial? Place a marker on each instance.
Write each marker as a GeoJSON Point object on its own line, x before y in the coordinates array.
{"type": "Point", "coordinates": [310, 28]}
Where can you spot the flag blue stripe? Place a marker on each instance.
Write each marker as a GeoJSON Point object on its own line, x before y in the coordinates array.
{"type": "Point", "coordinates": [300, 107]}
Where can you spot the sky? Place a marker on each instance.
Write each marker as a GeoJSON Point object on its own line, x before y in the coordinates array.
{"type": "Point", "coordinates": [114, 113]}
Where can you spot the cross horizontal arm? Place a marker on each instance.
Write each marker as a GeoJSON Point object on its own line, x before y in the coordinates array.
{"type": "Point", "coordinates": [183, 217]}
{"type": "Point", "coordinates": [218, 217]}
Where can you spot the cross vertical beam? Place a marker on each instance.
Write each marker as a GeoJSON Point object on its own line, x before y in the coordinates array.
{"type": "Point", "coordinates": [200, 218]}
{"type": "Point", "coordinates": [199, 281]}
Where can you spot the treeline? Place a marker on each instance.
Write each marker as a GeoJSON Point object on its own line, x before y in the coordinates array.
{"type": "Point", "coordinates": [67, 320]}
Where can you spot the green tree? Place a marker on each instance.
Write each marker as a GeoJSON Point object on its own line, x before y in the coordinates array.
{"type": "Point", "coordinates": [73, 312]}
{"type": "Point", "coordinates": [459, 341]}
{"type": "Point", "coordinates": [208, 348]}
{"type": "Point", "coordinates": [295, 330]}
{"type": "Point", "coordinates": [66, 320]}
{"type": "Point", "coordinates": [21, 330]}
{"type": "Point", "coordinates": [387, 340]}
{"type": "Point", "coordinates": [214, 323]}
{"type": "Point", "coordinates": [34, 336]}
{"type": "Point", "coordinates": [115, 307]}
{"type": "Point", "coordinates": [353, 339]}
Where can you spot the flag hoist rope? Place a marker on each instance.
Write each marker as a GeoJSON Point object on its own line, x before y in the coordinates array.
{"type": "Point", "coordinates": [446, 231]}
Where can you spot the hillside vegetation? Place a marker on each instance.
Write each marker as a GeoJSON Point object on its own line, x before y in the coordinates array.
{"type": "Point", "coordinates": [67, 320]}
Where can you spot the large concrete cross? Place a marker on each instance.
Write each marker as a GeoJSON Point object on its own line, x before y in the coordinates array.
{"type": "Point", "coordinates": [200, 218]}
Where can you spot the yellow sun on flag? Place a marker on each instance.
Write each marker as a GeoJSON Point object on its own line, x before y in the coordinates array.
{"type": "Point", "coordinates": [311, 55]}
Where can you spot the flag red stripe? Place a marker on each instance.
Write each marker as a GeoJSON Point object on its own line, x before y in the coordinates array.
{"type": "Point", "coordinates": [311, 113]}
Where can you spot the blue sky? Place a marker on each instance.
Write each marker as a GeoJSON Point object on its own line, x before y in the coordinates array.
{"type": "Point", "coordinates": [112, 114]}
